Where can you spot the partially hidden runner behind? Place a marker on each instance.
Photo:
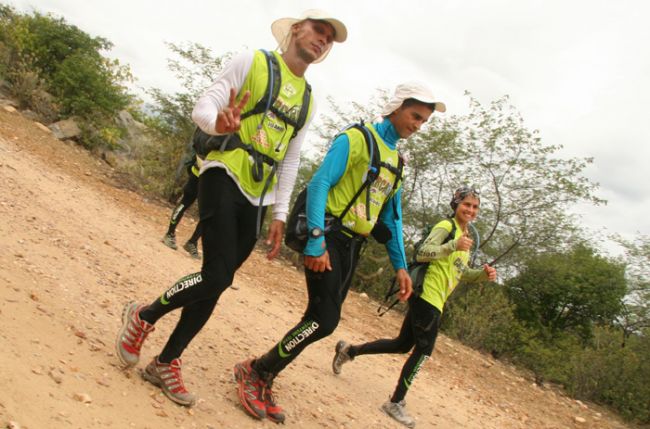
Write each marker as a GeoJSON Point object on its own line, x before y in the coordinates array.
{"type": "Point", "coordinates": [254, 165]}
{"type": "Point", "coordinates": [190, 193]}
{"type": "Point", "coordinates": [448, 264]}
{"type": "Point", "coordinates": [330, 259]}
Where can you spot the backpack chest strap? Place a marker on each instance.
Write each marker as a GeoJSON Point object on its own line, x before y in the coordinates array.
{"type": "Point", "coordinates": [233, 141]}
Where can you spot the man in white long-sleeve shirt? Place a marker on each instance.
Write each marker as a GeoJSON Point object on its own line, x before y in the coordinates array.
{"type": "Point", "coordinates": [252, 124]}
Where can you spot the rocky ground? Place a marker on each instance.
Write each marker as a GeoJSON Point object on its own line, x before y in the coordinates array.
{"type": "Point", "coordinates": [76, 245]}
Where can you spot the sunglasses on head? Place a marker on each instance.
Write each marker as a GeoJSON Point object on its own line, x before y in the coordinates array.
{"type": "Point", "coordinates": [465, 191]}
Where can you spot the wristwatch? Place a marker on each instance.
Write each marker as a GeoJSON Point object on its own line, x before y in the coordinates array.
{"type": "Point", "coordinates": [315, 232]}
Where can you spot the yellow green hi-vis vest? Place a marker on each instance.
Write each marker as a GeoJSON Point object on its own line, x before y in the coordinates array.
{"type": "Point", "coordinates": [267, 133]}
{"type": "Point", "coordinates": [353, 178]}
{"type": "Point", "coordinates": [443, 274]}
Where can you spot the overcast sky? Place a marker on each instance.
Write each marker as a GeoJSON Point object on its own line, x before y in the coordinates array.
{"type": "Point", "coordinates": [577, 70]}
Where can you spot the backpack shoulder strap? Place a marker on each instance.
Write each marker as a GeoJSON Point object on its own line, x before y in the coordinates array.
{"type": "Point", "coordinates": [452, 233]}
{"type": "Point", "coordinates": [400, 170]}
{"type": "Point", "coordinates": [375, 163]}
{"type": "Point", "coordinates": [372, 174]}
{"type": "Point", "coordinates": [304, 109]}
{"type": "Point", "coordinates": [273, 84]}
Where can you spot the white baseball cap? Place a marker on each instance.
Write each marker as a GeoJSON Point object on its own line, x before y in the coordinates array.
{"type": "Point", "coordinates": [281, 29]}
{"type": "Point", "coordinates": [414, 90]}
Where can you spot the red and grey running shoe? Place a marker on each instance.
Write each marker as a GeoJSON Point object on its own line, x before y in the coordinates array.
{"type": "Point", "coordinates": [250, 388]}
{"type": "Point", "coordinates": [168, 377]}
{"type": "Point", "coordinates": [132, 334]}
{"type": "Point", "coordinates": [274, 412]}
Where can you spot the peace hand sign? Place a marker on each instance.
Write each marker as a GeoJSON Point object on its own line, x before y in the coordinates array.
{"type": "Point", "coordinates": [228, 120]}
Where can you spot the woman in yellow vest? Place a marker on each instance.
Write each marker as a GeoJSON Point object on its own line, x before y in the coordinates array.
{"type": "Point", "coordinates": [448, 264]}
{"type": "Point", "coordinates": [331, 257]}
{"type": "Point", "coordinates": [236, 183]}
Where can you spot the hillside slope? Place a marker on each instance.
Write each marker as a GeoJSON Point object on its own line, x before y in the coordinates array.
{"type": "Point", "coordinates": [75, 246]}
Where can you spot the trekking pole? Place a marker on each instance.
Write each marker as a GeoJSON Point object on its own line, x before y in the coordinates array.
{"type": "Point", "coordinates": [391, 291]}
{"type": "Point", "coordinates": [477, 241]}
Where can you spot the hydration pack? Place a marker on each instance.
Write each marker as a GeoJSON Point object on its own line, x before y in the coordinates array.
{"type": "Point", "coordinates": [296, 228]}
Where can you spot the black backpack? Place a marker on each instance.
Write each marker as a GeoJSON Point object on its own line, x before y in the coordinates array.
{"type": "Point", "coordinates": [296, 228]}
{"type": "Point", "coordinates": [203, 143]}
{"type": "Point", "coordinates": [417, 270]}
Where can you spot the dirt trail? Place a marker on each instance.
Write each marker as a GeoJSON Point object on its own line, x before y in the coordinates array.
{"type": "Point", "coordinates": [75, 246]}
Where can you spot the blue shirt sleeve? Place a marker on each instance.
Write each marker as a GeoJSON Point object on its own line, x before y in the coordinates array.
{"type": "Point", "coordinates": [392, 218]}
{"type": "Point", "coordinates": [328, 174]}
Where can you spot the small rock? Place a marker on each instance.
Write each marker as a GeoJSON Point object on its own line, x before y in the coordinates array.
{"type": "Point", "coordinates": [57, 376]}
{"type": "Point", "coordinates": [580, 420]}
{"type": "Point", "coordinates": [65, 129]}
{"type": "Point", "coordinates": [102, 382]}
{"type": "Point", "coordinates": [9, 109]}
{"type": "Point", "coordinates": [43, 310]}
{"type": "Point", "coordinates": [582, 404]}
{"type": "Point", "coordinates": [30, 114]}
{"type": "Point", "coordinates": [12, 424]}
{"type": "Point", "coordinates": [42, 127]}
{"type": "Point", "coordinates": [83, 398]}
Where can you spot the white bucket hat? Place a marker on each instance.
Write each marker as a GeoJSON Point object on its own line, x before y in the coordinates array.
{"type": "Point", "coordinates": [408, 90]}
{"type": "Point", "coordinates": [281, 29]}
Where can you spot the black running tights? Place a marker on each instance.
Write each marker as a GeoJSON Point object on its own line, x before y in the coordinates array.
{"type": "Point", "coordinates": [190, 192]}
{"type": "Point", "coordinates": [418, 332]}
{"type": "Point", "coordinates": [326, 293]}
{"type": "Point", "coordinates": [228, 222]}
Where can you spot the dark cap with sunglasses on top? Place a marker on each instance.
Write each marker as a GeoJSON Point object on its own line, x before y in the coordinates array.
{"type": "Point", "coordinates": [461, 193]}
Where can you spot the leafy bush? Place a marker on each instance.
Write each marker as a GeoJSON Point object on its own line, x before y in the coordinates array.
{"type": "Point", "coordinates": [86, 86]}
{"type": "Point", "coordinates": [618, 376]}
{"type": "Point", "coordinates": [483, 318]}
{"type": "Point", "coordinates": [568, 291]}
{"type": "Point", "coordinates": [154, 167]}
{"type": "Point", "coordinates": [549, 356]}
{"type": "Point", "coordinates": [44, 55]}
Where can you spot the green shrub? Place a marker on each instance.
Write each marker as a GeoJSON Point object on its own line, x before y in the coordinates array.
{"type": "Point", "coordinates": [155, 167]}
{"type": "Point", "coordinates": [24, 83]}
{"type": "Point", "coordinates": [549, 357]}
{"type": "Point", "coordinates": [44, 55]}
{"type": "Point", "coordinates": [482, 317]}
{"type": "Point", "coordinates": [618, 376]}
{"type": "Point", "coordinates": [86, 87]}
{"type": "Point", "coordinates": [5, 57]}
